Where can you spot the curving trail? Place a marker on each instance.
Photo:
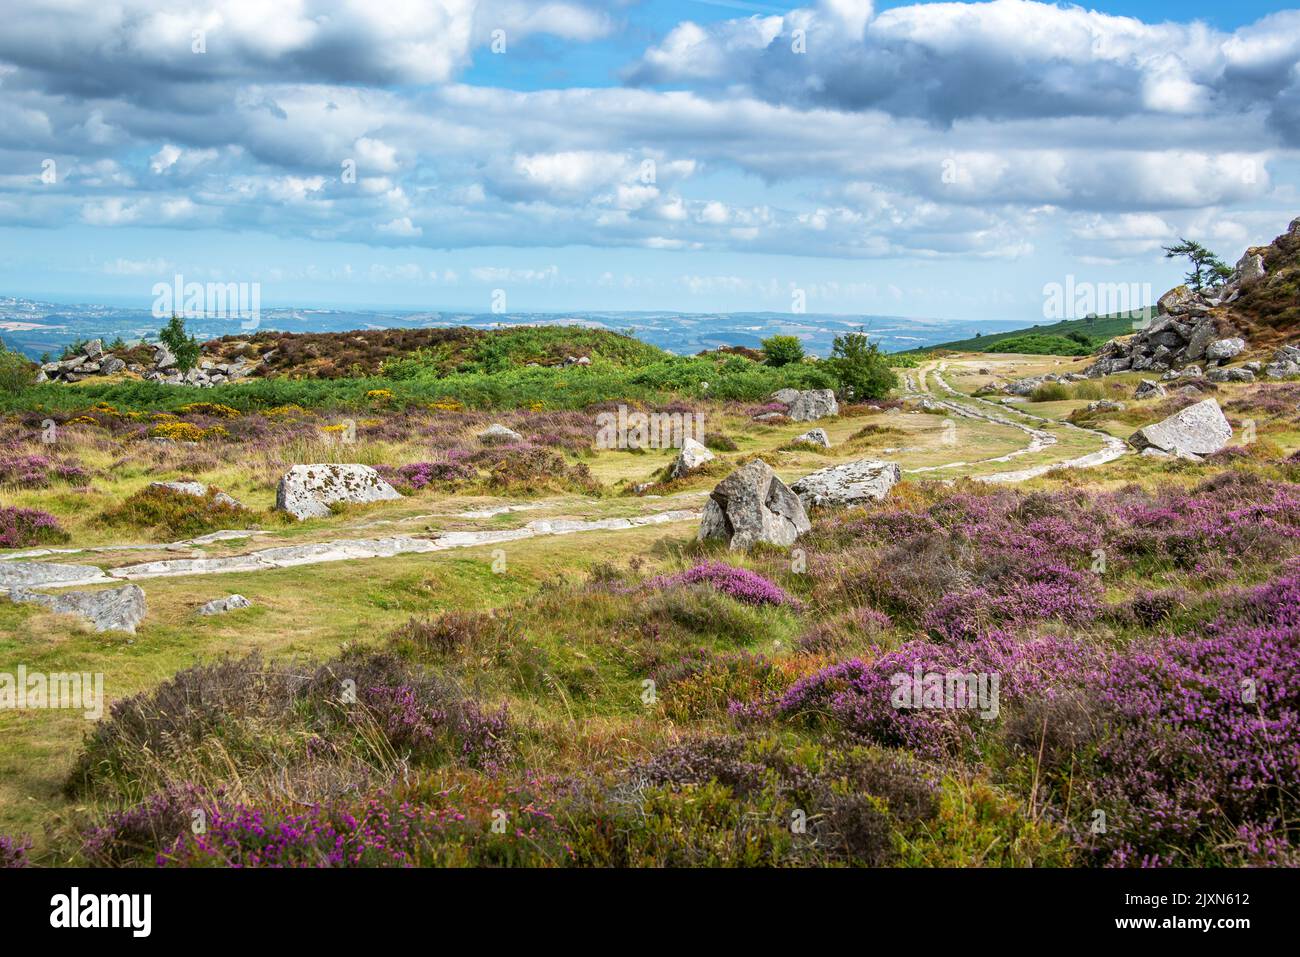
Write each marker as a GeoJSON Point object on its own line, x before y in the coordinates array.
{"type": "Point", "coordinates": [16, 569]}
{"type": "Point", "coordinates": [973, 407]}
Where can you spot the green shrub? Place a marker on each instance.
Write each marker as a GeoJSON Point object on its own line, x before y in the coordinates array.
{"type": "Point", "coordinates": [1049, 392]}
{"type": "Point", "coordinates": [860, 368]}
{"type": "Point", "coordinates": [177, 514]}
{"type": "Point", "coordinates": [1040, 345]}
{"type": "Point", "coordinates": [16, 372]}
{"type": "Point", "coordinates": [782, 350]}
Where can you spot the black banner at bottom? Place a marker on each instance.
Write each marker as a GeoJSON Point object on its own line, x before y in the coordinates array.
{"type": "Point", "coordinates": [335, 907]}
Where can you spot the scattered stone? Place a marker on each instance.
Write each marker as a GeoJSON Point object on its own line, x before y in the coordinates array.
{"type": "Point", "coordinates": [307, 491]}
{"type": "Point", "coordinates": [1286, 362]}
{"type": "Point", "coordinates": [499, 433]}
{"type": "Point", "coordinates": [163, 357]}
{"type": "Point", "coordinates": [1199, 429]}
{"type": "Point", "coordinates": [1224, 349]}
{"type": "Point", "coordinates": [814, 404]}
{"type": "Point", "coordinates": [752, 505]}
{"type": "Point", "coordinates": [198, 490]}
{"type": "Point", "coordinates": [692, 456]}
{"type": "Point", "coordinates": [785, 396]}
{"type": "Point", "coordinates": [1106, 405]}
{"type": "Point", "coordinates": [1149, 389]}
{"type": "Point", "coordinates": [219, 606]}
{"type": "Point", "coordinates": [111, 609]}
{"type": "Point", "coordinates": [1231, 375]}
{"type": "Point", "coordinates": [848, 484]}
{"type": "Point", "coordinates": [815, 437]}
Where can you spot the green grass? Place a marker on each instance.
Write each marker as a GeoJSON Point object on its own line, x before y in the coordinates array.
{"type": "Point", "coordinates": [1045, 339]}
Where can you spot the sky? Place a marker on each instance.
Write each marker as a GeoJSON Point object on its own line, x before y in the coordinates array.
{"type": "Point", "coordinates": [943, 160]}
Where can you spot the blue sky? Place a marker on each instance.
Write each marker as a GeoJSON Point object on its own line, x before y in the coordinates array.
{"type": "Point", "coordinates": [937, 160]}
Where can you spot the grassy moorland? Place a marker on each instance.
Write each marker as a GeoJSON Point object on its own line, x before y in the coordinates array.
{"type": "Point", "coordinates": [631, 697]}
{"type": "Point", "coordinates": [1067, 337]}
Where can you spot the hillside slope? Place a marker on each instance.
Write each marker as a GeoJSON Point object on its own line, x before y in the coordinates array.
{"type": "Point", "coordinates": [1053, 339]}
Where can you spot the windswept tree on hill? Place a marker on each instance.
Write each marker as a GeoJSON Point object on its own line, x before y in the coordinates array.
{"type": "Point", "coordinates": [1207, 268]}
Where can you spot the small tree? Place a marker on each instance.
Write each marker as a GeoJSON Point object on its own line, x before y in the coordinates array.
{"type": "Point", "coordinates": [782, 350]}
{"type": "Point", "coordinates": [860, 367]}
{"type": "Point", "coordinates": [1206, 267]}
{"type": "Point", "coordinates": [182, 345]}
{"type": "Point", "coordinates": [16, 372]}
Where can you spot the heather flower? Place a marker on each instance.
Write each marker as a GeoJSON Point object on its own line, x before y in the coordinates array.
{"type": "Point", "coordinates": [739, 583]}
{"type": "Point", "coordinates": [24, 527]}
{"type": "Point", "coordinates": [13, 851]}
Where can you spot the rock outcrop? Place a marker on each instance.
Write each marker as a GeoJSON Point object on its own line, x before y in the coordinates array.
{"type": "Point", "coordinates": [111, 609]}
{"type": "Point", "coordinates": [1197, 430]}
{"type": "Point", "coordinates": [851, 483]}
{"type": "Point", "coordinates": [752, 505]}
{"type": "Point", "coordinates": [1252, 307]}
{"type": "Point", "coordinates": [307, 491]}
{"type": "Point", "coordinates": [92, 360]}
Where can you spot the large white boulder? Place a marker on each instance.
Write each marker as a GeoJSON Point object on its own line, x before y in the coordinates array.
{"type": "Point", "coordinates": [691, 457]}
{"type": "Point", "coordinates": [1197, 430]}
{"type": "Point", "coordinates": [848, 484]}
{"type": "Point", "coordinates": [813, 404]}
{"type": "Point", "coordinates": [307, 491]}
{"type": "Point", "coordinates": [752, 505]}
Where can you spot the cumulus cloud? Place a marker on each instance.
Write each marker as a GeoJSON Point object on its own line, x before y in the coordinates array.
{"type": "Point", "coordinates": [935, 130]}
{"type": "Point", "coordinates": [1003, 59]}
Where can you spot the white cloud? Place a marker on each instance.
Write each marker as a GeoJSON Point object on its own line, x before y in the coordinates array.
{"type": "Point", "coordinates": [401, 228]}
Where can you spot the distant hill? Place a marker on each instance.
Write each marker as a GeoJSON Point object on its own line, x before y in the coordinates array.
{"type": "Point", "coordinates": [34, 328]}
{"type": "Point", "coordinates": [1069, 337]}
